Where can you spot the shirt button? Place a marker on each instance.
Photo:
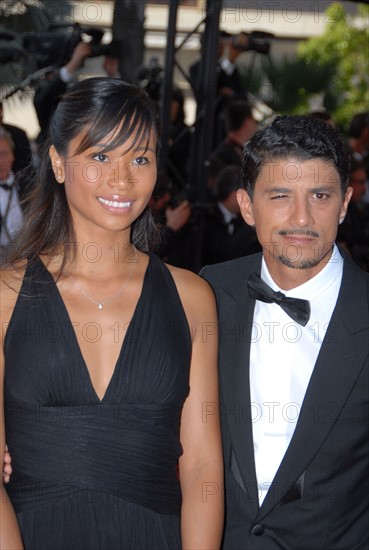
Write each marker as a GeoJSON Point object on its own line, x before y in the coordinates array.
{"type": "Point", "coordinates": [258, 530]}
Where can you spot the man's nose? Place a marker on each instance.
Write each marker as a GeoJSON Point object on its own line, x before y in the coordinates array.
{"type": "Point", "coordinates": [301, 214]}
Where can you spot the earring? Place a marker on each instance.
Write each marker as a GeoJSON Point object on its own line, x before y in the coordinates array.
{"type": "Point", "coordinates": [59, 176]}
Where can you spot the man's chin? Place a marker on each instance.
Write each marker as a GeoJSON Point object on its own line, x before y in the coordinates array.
{"type": "Point", "coordinates": [302, 263]}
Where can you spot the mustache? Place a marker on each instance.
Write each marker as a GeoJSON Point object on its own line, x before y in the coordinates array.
{"type": "Point", "coordinates": [303, 232]}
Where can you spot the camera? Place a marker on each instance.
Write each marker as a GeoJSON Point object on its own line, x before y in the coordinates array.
{"type": "Point", "coordinates": [150, 78]}
{"type": "Point", "coordinates": [11, 49]}
{"type": "Point", "coordinates": [257, 41]}
{"type": "Point", "coordinates": [55, 45]}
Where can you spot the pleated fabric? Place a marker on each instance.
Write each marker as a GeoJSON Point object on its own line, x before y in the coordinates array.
{"type": "Point", "coordinates": [90, 473]}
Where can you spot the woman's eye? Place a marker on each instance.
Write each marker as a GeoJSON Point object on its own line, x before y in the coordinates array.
{"type": "Point", "coordinates": [140, 161]}
{"type": "Point", "coordinates": [100, 157]}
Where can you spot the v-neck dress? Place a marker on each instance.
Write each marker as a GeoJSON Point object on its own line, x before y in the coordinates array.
{"type": "Point", "coordinates": [90, 473]}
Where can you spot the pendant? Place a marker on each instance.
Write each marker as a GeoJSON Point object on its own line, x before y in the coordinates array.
{"type": "Point", "coordinates": [100, 306]}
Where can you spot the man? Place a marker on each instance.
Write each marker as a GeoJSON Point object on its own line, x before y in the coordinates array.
{"type": "Point", "coordinates": [229, 83]}
{"type": "Point", "coordinates": [353, 234]}
{"type": "Point", "coordinates": [56, 83]}
{"type": "Point", "coordinates": [11, 217]}
{"type": "Point", "coordinates": [359, 138]}
{"type": "Point", "coordinates": [225, 235]}
{"type": "Point", "coordinates": [240, 127]}
{"type": "Point", "coordinates": [359, 144]}
{"type": "Point", "coordinates": [22, 148]}
{"type": "Point", "coordinates": [294, 390]}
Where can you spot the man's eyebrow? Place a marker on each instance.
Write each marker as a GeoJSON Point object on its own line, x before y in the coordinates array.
{"type": "Point", "coordinates": [323, 189]}
{"type": "Point", "coordinates": [320, 189]}
{"type": "Point", "coordinates": [273, 190]}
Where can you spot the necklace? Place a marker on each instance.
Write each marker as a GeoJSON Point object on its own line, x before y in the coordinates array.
{"type": "Point", "coordinates": [99, 303]}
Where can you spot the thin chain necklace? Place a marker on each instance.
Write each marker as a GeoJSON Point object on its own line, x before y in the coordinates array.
{"type": "Point", "coordinates": [99, 303]}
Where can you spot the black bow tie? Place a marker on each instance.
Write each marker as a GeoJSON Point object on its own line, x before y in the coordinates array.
{"type": "Point", "coordinates": [297, 309]}
{"type": "Point", "coordinates": [5, 186]}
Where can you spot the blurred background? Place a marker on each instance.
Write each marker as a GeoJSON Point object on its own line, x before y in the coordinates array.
{"type": "Point", "coordinates": [209, 66]}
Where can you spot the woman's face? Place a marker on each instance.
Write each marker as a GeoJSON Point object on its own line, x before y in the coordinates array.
{"type": "Point", "coordinates": [107, 190]}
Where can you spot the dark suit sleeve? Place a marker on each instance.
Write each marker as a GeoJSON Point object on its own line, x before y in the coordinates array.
{"type": "Point", "coordinates": [22, 148]}
{"type": "Point", "coordinates": [46, 100]}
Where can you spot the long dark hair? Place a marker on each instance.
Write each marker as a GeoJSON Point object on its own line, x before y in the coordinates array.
{"type": "Point", "coordinates": [97, 106]}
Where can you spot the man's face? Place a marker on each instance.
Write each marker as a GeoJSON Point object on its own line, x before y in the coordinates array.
{"type": "Point", "coordinates": [296, 208]}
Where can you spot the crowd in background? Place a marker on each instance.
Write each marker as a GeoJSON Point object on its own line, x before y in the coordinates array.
{"type": "Point", "coordinates": [213, 230]}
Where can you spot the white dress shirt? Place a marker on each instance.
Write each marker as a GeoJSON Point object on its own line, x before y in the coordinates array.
{"type": "Point", "coordinates": [228, 217]}
{"type": "Point", "coordinates": [10, 212]}
{"type": "Point", "coordinates": [282, 358]}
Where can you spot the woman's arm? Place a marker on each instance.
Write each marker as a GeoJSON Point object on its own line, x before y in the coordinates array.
{"type": "Point", "coordinates": [201, 465]}
{"type": "Point", "coordinates": [10, 538]}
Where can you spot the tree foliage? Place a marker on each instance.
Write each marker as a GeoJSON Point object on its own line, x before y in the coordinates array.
{"type": "Point", "coordinates": [330, 71]}
{"type": "Point", "coordinates": [294, 82]}
{"type": "Point", "coordinates": [347, 46]}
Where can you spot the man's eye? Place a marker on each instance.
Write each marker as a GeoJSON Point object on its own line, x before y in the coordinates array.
{"type": "Point", "coordinates": [321, 196]}
{"type": "Point", "coordinates": [100, 157]}
{"type": "Point", "coordinates": [140, 161]}
{"type": "Point", "coordinates": [279, 196]}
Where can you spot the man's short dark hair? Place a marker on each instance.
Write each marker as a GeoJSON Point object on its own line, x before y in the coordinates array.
{"type": "Point", "coordinates": [299, 137]}
{"type": "Point", "coordinates": [228, 180]}
{"type": "Point", "coordinates": [236, 113]}
{"type": "Point", "coordinates": [358, 124]}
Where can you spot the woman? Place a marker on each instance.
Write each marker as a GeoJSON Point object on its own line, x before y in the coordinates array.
{"type": "Point", "coordinates": [109, 362]}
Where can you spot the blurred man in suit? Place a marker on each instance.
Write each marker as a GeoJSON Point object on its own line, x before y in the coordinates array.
{"type": "Point", "coordinates": [11, 217]}
{"type": "Point", "coordinates": [22, 149]}
{"type": "Point", "coordinates": [225, 235]}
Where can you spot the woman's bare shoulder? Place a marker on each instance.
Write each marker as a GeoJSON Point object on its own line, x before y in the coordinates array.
{"type": "Point", "coordinates": [197, 297]}
{"type": "Point", "coordinates": [190, 285]}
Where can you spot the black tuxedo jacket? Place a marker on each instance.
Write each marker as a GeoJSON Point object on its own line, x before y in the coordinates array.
{"type": "Point", "coordinates": [319, 498]}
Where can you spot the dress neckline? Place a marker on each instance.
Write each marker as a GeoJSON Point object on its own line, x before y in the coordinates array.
{"type": "Point", "coordinates": [128, 337]}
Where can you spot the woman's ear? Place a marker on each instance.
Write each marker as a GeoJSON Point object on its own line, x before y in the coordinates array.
{"type": "Point", "coordinates": [57, 165]}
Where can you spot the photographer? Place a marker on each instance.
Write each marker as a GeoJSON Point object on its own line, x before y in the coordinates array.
{"type": "Point", "coordinates": [240, 126]}
{"type": "Point", "coordinates": [229, 82]}
{"type": "Point", "coordinates": [48, 95]}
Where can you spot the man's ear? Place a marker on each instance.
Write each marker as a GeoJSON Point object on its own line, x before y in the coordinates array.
{"type": "Point", "coordinates": [57, 165]}
{"type": "Point", "coordinates": [345, 203]}
{"type": "Point", "coordinates": [246, 208]}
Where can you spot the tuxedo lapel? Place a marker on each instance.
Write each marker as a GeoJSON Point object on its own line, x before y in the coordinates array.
{"type": "Point", "coordinates": [237, 310]}
{"type": "Point", "coordinates": [341, 358]}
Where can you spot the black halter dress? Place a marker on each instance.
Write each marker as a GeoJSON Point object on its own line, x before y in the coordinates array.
{"type": "Point", "coordinates": [88, 473]}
